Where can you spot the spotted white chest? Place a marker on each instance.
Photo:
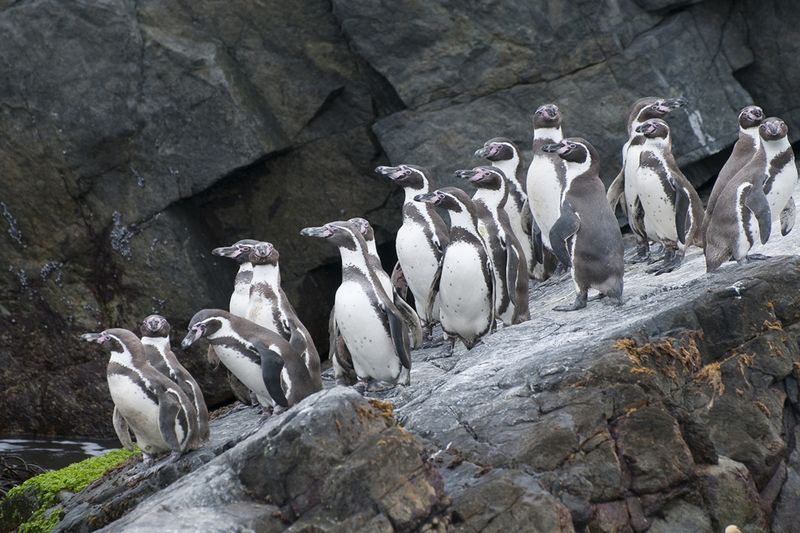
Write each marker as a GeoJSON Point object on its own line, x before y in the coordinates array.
{"type": "Point", "coordinates": [632, 156]}
{"type": "Point", "coordinates": [782, 188]}
{"type": "Point", "coordinates": [544, 194]}
{"type": "Point", "coordinates": [140, 412]}
{"type": "Point", "coordinates": [262, 311]}
{"type": "Point", "coordinates": [418, 262]}
{"type": "Point", "coordinates": [659, 211]}
{"type": "Point", "coordinates": [363, 331]}
{"type": "Point", "coordinates": [464, 299]}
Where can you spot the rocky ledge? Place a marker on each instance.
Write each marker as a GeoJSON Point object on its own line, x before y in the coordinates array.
{"type": "Point", "coordinates": [675, 412]}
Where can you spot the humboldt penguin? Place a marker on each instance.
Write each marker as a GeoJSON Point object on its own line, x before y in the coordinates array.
{"type": "Point", "coordinates": [465, 280]}
{"type": "Point", "coordinates": [545, 183]}
{"type": "Point", "coordinates": [758, 194]}
{"type": "Point", "coordinates": [370, 324]}
{"type": "Point", "coordinates": [508, 259]}
{"type": "Point", "coordinates": [263, 360]}
{"type": "Point", "coordinates": [504, 155]}
{"type": "Point", "coordinates": [155, 341]}
{"type": "Point", "coordinates": [270, 308]}
{"type": "Point", "coordinates": [586, 236]}
{"type": "Point", "coordinates": [420, 240]}
{"type": "Point", "coordinates": [673, 212]}
{"type": "Point", "coordinates": [746, 146]}
{"type": "Point", "coordinates": [157, 410]}
{"type": "Point", "coordinates": [623, 188]}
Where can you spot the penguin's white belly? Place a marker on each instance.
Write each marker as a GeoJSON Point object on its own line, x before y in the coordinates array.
{"type": "Point", "coordinates": [782, 188]}
{"type": "Point", "coordinates": [240, 300]}
{"type": "Point", "coordinates": [544, 195]}
{"type": "Point", "coordinates": [631, 183]}
{"type": "Point", "coordinates": [362, 328]}
{"type": "Point", "coordinates": [244, 369]}
{"type": "Point", "coordinates": [140, 412]}
{"type": "Point", "coordinates": [261, 311]}
{"type": "Point", "coordinates": [418, 262]}
{"type": "Point", "coordinates": [464, 299]}
{"type": "Point", "coordinates": [659, 211]}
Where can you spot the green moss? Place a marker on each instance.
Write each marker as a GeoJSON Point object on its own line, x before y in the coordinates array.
{"type": "Point", "coordinates": [44, 490]}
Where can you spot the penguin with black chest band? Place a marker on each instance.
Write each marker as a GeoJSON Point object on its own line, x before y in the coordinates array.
{"type": "Point", "coordinates": [545, 183]}
{"type": "Point", "coordinates": [155, 341]}
{"type": "Point", "coordinates": [673, 212]}
{"type": "Point", "coordinates": [263, 360]}
{"type": "Point", "coordinates": [465, 281]}
{"type": "Point", "coordinates": [508, 259]}
{"type": "Point", "coordinates": [504, 155]}
{"type": "Point", "coordinates": [370, 324]}
{"type": "Point", "coordinates": [269, 307]}
{"type": "Point", "coordinates": [420, 240]}
{"type": "Point", "coordinates": [746, 208]}
{"type": "Point", "coordinates": [744, 150]}
{"type": "Point", "coordinates": [158, 412]}
{"type": "Point", "coordinates": [586, 236]}
{"type": "Point", "coordinates": [624, 186]}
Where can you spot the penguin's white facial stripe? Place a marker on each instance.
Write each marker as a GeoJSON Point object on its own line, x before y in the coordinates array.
{"type": "Point", "coordinates": [124, 358]}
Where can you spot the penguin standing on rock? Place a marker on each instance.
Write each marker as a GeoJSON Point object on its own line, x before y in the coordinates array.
{"type": "Point", "coordinates": [673, 212]}
{"type": "Point", "coordinates": [508, 259]}
{"type": "Point", "coordinates": [265, 362]}
{"type": "Point", "coordinates": [545, 183]}
{"type": "Point", "coordinates": [465, 280]}
{"type": "Point", "coordinates": [158, 412]}
{"type": "Point", "coordinates": [371, 326]}
{"type": "Point", "coordinates": [624, 187]}
{"type": "Point", "coordinates": [155, 341]}
{"type": "Point", "coordinates": [269, 307]}
{"type": "Point", "coordinates": [420, 240]}
{"type": "Point", "coordinates": [744, 150]}
{"type": "Point", "coordinates": [586, 236]}
{"type": "Point", "coordinates": [504, 155]}
{"type": "Point", "coordinates": [759, 194]}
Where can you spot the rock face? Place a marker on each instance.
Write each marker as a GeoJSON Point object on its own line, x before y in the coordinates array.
{"type": "Point", "coordinates": [136, 136]}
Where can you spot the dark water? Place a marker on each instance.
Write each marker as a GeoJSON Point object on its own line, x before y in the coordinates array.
{"type": "Point", "coordinates": [55, 453]}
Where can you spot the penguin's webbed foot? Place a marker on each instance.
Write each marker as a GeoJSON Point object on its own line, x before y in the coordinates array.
{"type": "Point", "coordinates": [757, 257]}
{"type": "Point", "coordinates": [598, 296]}
{"type": "Point", "coordinates": [173, 457]}
{"type": "Point", "coordinates": [362, 386]}
{"type": "Point", "coordinates": [665, 267]}
{"type": "Point", "coordinates": [579, 303]}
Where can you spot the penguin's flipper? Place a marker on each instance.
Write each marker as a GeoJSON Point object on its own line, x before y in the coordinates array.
{"type": "Point", "coordinates": [538, 243]}
{"type": "Point", "coordinates": [637, 220]}
{"type": "Point", "coordinates": [616, 191]}
{"type": "Point", "coordinates": [565, 227]}
{"type": "Point", "coordinates": [512, 269]}
{"type": "Point", "coordinates": [411, 319]}
{"type": "Point", "coordinates": [399, 334]}
{"type": "Point", "coordinates": [169, 406]}
{"type": "Point", "coordinates": [787, 217]}
{"type": "Point", "coordinates": [333, 333]}
{"type": "Point", "coordinates": [271, 367]}
{"type": "Point", "coordinates": [434, 290]}
{"type": "Point", "coordinates": [212, 357]}
{"type": "Point", "coordinates": [682, 206]}
{"type": "Point", "coordinates": [122, 429]}
{"type": "Point", "coordinates": [492, 293]}
{"type": "Point", "coordinates": [297, 341]}
{"type": "Point", "coordinates": [527, 217]}
{"type": "Point", "coordinates": [399, 282]}
{"type": "Point", "coordinates": [756, 201]}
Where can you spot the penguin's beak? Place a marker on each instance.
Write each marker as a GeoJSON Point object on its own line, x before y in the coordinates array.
{"type": "Point", "coordinates": [555, 148]}
{"type": "Point", "coordinates": [466, 173]}
{"type": "Point", "coordinates": [191, 337]}
{"type": "Point", "coordinates": [321, 232]}
{"type": "Point", "coordinates": [99, 338]}
{"type": "Point", "coordinates": [429, 198]}
{"type": "Point", "coordinates": [670, 104]}
{"type": "Point", "coordinates": [755, 114]}
{"type": "Point", "coordinates": [226, 251]}
{"type": "Point", "coordinates": [392, 173]}
{"type": "Point", "coordinates": [645, 128]}
{"type": "Point", "coordinates": [484, 151]}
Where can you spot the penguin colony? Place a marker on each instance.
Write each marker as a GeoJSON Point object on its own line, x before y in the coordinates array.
{"type": "Point", "coordinates": [470, 277]}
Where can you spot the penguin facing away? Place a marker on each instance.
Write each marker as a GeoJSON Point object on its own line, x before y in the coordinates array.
{"type": "Point", "coordinates": [420, 240]}
{"type": "Point", "coordinates": [155, 331]}
{"type": "Point", "coordinates": [624, 187]}
{"type": "Point", "coordinates": [508, 259]}
{"type": "Point", "coordinates": [545, 180]}
{"type": "Point", "coordinates": [370, 324]}
{"type": "Point", "coordinates": [269, 306]}
{"type": "Point", "coordinates": [465, 281]}
{"type": "Point", "coordinates": [158, 412]}
{"type": "Point", "coordinates": [504, 155]}
{"type": "Point", "coordinates": [586, 236]}
{"type": "Point", "coordinates": [673, 212]}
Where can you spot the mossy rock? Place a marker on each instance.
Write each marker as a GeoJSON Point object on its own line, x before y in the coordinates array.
{"type": "Point", "coordinates": [32, 506]}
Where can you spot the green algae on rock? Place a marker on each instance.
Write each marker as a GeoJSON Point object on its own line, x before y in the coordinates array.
{"type": "Point", "coordinates": [29, 507]}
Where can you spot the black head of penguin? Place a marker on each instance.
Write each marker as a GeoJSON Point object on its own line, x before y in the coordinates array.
{"type": "Point", "coordinates": [263, 253]}
{"type": "Point", "coordinates": [342, 233]}
{"type": "Point", "coordinates": [497, 149]}
{"type": "Point", "coordinates": [574, 150]}
{"type": "Point", "coordinates": [410, 176]}
{"type": "Point", "coordinates": [547, 116]}
{"type": "Point", "coordinates": [484, 177]}
{"type": "Point", "coordinates": [773, 129]}
{"type": "Point", "coordinates": [450, 198]}
{"type": "Point", "coordinates": [364, 227]}
{"type": "Point", "coordinates": [114, 339]}
{"type": "Point", "coordinates": [655, 128]}
{"type": "Point", "coordinates": [751, 116]}
{"type": "Point", "coordinates": [154, 326]}
{"type": "Point", "coordinates": [203, 324]}
{"type": "Point", "coordinates": [239, 251]}
{"type": "Point", "coordinates": [652, 107]}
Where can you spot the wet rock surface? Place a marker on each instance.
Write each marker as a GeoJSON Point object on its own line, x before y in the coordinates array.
{"type": "Point", "coordinates": [136, 136]}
